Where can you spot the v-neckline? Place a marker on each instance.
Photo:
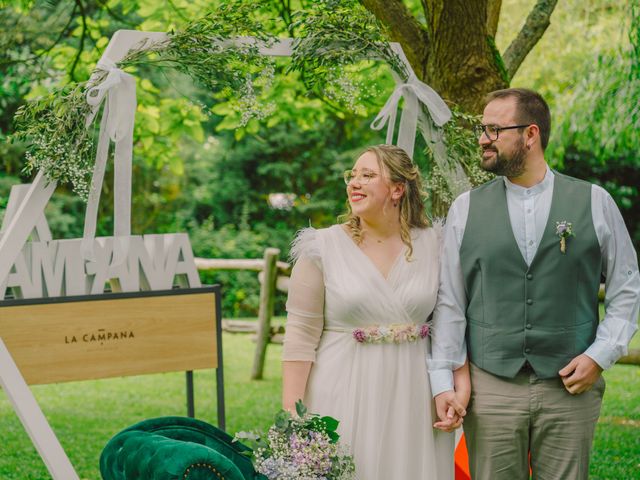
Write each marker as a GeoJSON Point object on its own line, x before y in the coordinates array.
{"type": "Point", "coordinates": [394, 265]}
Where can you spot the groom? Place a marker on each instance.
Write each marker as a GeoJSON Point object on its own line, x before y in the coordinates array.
{"type": "Point", "coordinates": [523, 258]}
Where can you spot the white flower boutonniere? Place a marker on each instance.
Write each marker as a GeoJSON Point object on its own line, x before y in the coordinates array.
{"type": "Point", "coordinates": [564, 230]}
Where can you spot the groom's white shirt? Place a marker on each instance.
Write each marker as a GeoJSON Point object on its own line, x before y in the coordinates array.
{"type": "Point", "coordinates": [528, 212]}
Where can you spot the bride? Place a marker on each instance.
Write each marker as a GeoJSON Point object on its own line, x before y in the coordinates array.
{"type": "Point", "coordinates": [356, 335]}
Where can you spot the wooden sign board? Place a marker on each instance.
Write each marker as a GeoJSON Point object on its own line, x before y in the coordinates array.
{"type": "Point", "coordinates": [91, 337]}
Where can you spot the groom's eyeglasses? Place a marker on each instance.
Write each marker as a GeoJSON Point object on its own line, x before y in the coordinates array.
{"type": "Point", "coordinates": [492, 131]}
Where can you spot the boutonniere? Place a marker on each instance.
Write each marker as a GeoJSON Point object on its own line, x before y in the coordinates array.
{"type": "Point", "coordinates": [564, 230]}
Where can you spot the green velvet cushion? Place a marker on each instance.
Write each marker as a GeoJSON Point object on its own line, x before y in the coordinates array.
{"type": "Point", "coordinates": [175, 448]}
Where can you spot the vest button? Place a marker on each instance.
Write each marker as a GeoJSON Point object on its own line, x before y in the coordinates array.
{"type": "Point", "coordinates": [529, 301]}
{"type": "Point", "coordinates": [529, 276]}
{"type": "Point", "coordinates": [527, 350]}
{"type": "Point", "coordinates": [529, 326]}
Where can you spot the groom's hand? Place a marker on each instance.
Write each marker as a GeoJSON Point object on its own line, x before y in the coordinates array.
{"type": "Point", "coordinates": [450, 411]}
{"type": "Point", "coordinates": [580, 374]}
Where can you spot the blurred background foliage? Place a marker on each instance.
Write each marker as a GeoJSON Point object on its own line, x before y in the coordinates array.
{"type": "Point", "coordinates": [240, 186]}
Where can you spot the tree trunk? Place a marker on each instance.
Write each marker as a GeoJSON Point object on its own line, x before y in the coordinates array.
{"type": "Point", "coordinates": [463, 64]}
{"type": "Point", "coordinates": [454, 51]}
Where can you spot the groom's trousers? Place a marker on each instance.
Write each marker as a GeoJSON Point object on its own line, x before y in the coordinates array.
{"type": "Point", "coordinates": [510, 418]}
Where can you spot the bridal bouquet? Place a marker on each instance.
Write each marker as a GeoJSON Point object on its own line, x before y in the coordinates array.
{"type": "Point", "coordinates": [302, 447]}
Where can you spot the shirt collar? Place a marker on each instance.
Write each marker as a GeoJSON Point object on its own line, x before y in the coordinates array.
{"type": "Point", "coordinates": [547, 182]}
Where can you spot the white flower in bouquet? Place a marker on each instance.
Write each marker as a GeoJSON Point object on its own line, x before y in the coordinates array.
{"type": "Point", "coordinates": [302, 447]}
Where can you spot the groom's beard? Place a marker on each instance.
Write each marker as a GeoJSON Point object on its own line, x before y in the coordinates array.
{"type": "Point", "coordinates": [507, 165]}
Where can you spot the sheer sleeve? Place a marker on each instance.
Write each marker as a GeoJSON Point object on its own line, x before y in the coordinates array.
{"type": "Point", "coordinates": [305, 303]}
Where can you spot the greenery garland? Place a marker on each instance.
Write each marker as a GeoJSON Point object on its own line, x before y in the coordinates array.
{"type": "Point", "coordinates": [335, 35]}
{"type": "Point", "coordinates": [60, 143]}
{"type": "Point", "coordinates": [330, 39]}
{"type": "Point", "coordinates": [54, 126]}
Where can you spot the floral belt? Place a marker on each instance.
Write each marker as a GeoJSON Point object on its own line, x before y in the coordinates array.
{"type": "Point", "coordinates": [393, 333]}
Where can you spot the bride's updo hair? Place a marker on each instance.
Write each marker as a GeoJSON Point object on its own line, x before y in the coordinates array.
{"type": "Point", "coordinates": [397, 167]}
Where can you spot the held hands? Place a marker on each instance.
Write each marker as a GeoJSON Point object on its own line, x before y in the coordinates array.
{"type": "Point", "coordinates": [580, 374]}
{"type": "Point", "coordinates": [450, 407]}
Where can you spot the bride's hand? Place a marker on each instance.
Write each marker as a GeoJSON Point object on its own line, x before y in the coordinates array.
{"type": "Point", "coordinates": [450, 411]}
{"type": "Point", "coordinates": [451, 424]}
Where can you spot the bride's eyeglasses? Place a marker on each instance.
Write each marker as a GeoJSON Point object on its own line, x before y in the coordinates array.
{"type": "Point", "coordinates": [363, 177]}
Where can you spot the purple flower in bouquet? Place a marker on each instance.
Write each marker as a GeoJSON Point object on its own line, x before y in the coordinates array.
{"type": "Point", "coordinates": [311, 452]}
{"type": "Point", "coordinates": [302, 447]}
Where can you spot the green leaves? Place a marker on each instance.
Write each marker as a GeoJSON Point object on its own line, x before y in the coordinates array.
{"type": "Point", "coordinates": [253, 441]}
{"type": "Point", "coordinates": [282, 420]}
{"type": "Point", "coordinates": [333, 36]}
{"type": "Point", "coordinates": [330, 427]}
{"type": "Point", "coordinates": [331, 424]}
{"type": "Point", "coordinates": [597, 132]}
{"type": "Point", "coordinates": [54, 125]}
{"type": "Point", "coordinates": [301, 410]}
{"type": "Point", "coordinates": [286, 423]}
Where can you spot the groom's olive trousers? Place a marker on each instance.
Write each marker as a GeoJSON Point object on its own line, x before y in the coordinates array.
{"type": "Point", "coordinates": [510, 418]}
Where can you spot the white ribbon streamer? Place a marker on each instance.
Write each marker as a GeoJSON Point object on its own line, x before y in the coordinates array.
{"type": "Point", "coordinates": [415, 93]}
{"type": "Point", "coordinates": [119, 90]}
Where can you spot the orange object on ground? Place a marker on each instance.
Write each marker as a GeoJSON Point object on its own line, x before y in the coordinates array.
{"type": "Point", "coordinates": [462, 461]}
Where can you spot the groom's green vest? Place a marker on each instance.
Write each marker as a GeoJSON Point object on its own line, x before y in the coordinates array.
{"type": "Point", "coordinates": [546, 313]}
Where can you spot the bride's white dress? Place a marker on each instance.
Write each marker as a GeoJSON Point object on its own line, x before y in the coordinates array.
{"type": "Point", "coordinates": [379, 392]}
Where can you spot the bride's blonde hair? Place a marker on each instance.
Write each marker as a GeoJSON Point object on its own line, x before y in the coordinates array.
{"type": "Point", "coordinates": [397, 167]}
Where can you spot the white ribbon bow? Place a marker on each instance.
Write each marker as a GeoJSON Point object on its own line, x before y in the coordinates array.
{"type": "Point", "coordinates": [414, 92]}
{"type": "Point", "coordinates": [119, 89]}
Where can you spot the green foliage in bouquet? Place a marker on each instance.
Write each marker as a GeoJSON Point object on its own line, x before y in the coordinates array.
{"type": "Point", "coordinates": [302, 446]}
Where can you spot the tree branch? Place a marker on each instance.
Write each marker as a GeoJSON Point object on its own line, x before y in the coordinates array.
{"type": "Point", "coordinates": [532, 30]}
{"type": "Point", "coordinates": [432, 13]}
{"type": "Point", "coordinates": [285, 12]}
{"type": "Point", "coordinates": [178, 11]}
{"type": "Point", "coordinates": [62, 32]}
{"type": "Point", "coordinates": [114, 15]}
{"type": "Point", "coordinates": [83, 15]}
{"type": "Point", "coordinates": [425, 8]}
{"type": "Point", "coordinates": [493, 16]}
{"type": "Point", "coordinates": [403, 28]}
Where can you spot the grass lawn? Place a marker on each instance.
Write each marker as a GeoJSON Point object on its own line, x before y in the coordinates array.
{"type": "Point", "coordinates": [85, 415]}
